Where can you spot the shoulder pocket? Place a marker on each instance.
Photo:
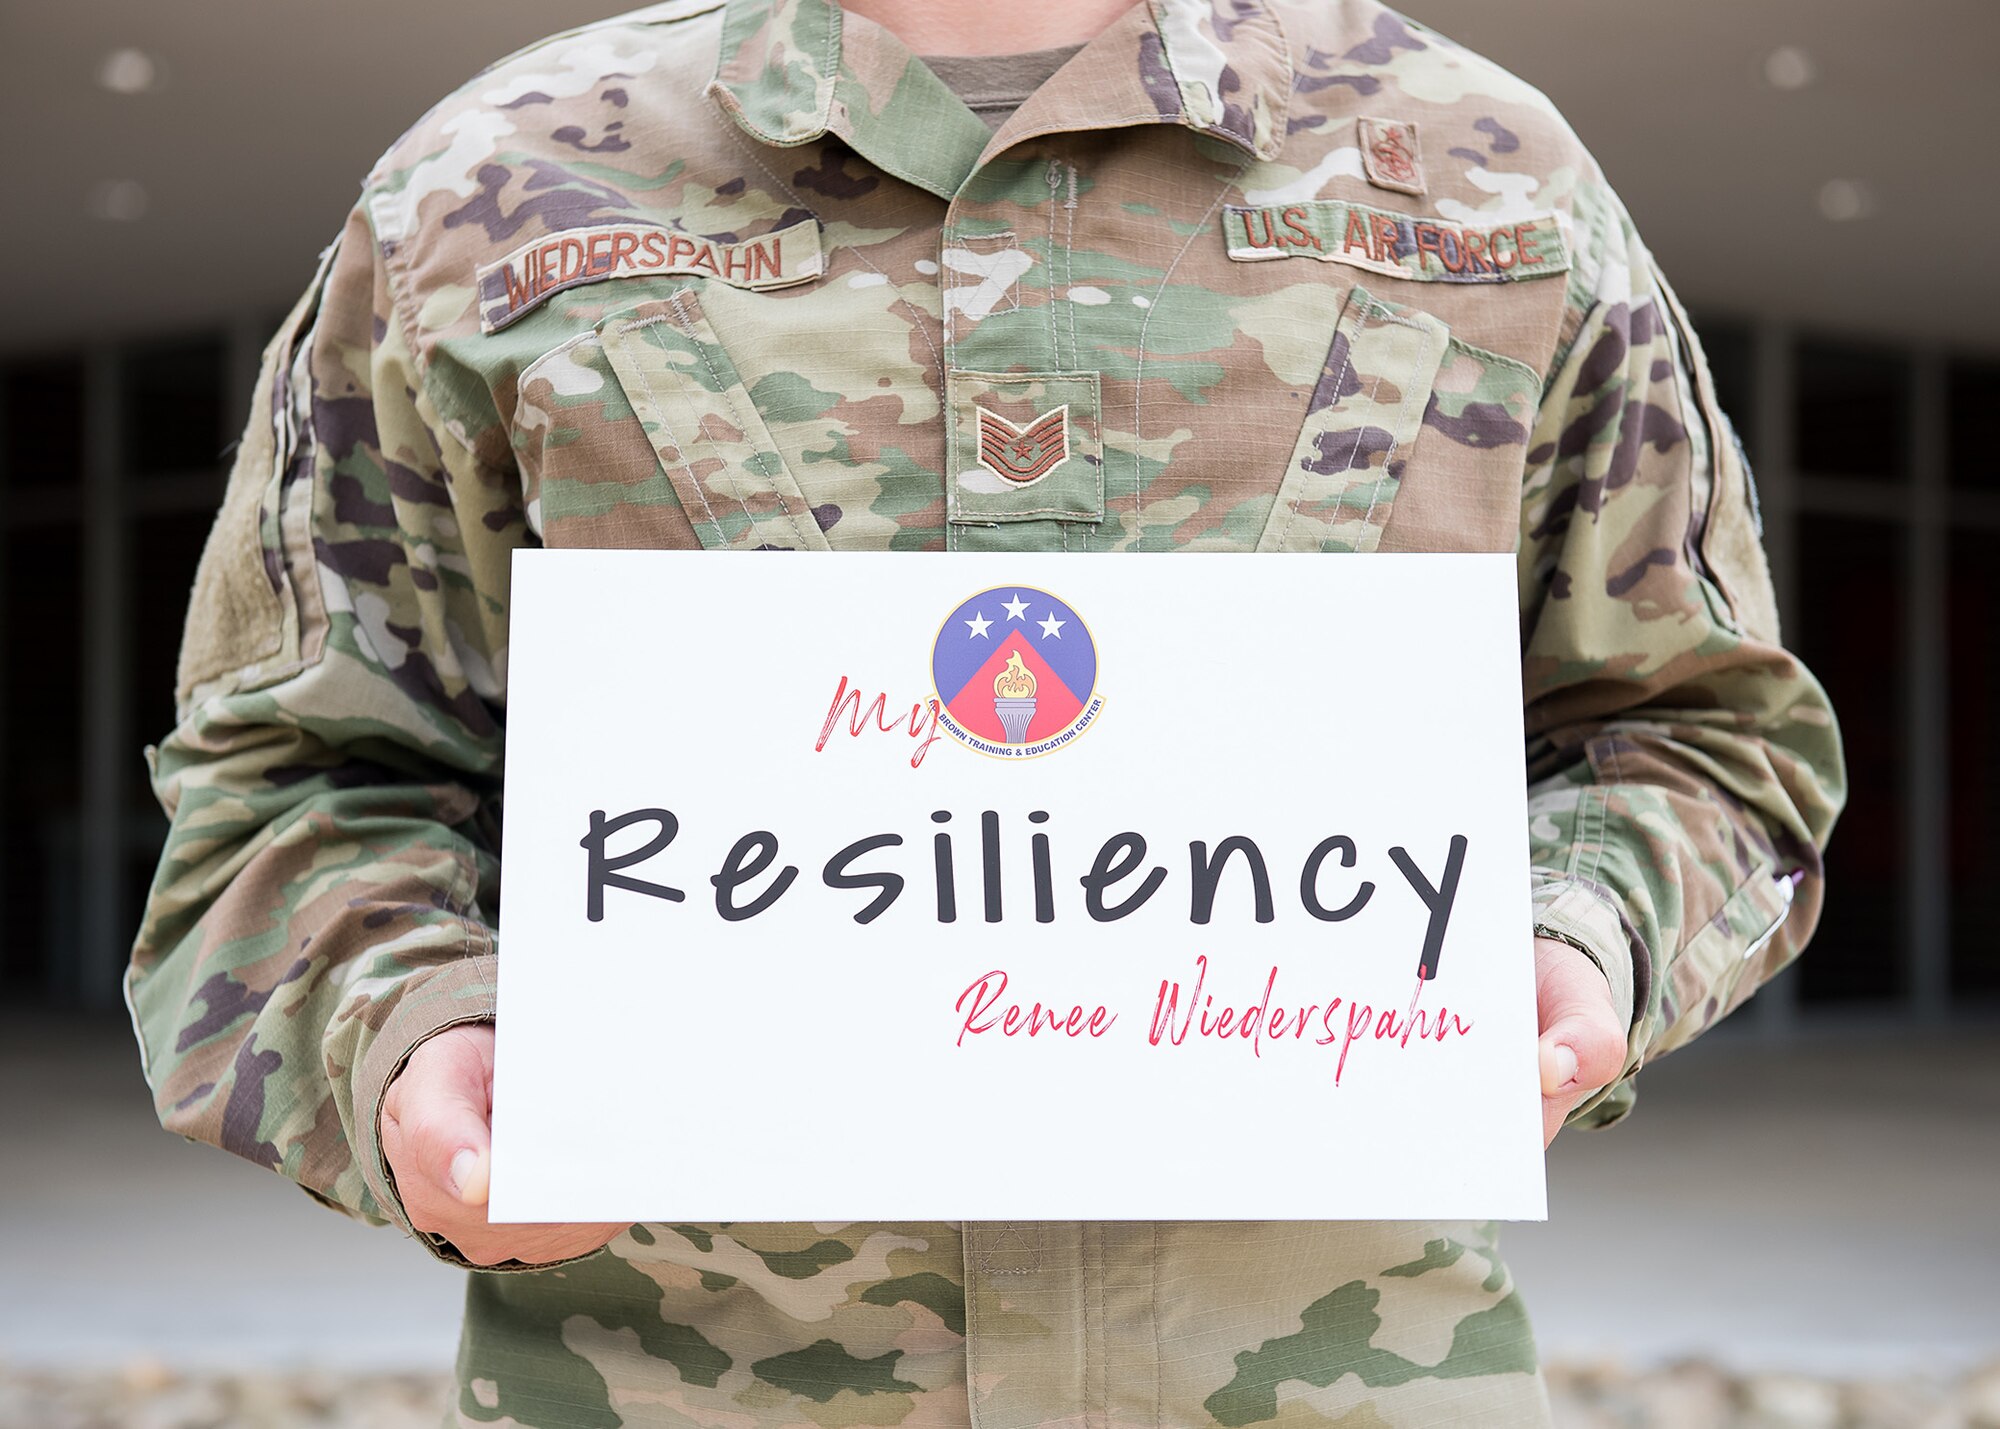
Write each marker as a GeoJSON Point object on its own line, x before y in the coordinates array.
{"type": "Point", "coordinates": [712, 444]}
{"type": "Point", "coordinates": [243, 625]}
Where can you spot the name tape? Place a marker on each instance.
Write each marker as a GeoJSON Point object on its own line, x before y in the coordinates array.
{"type": "Point", "coordinates": [512, 286]}
{"type": "Point", "coordinates": [1399, 245]}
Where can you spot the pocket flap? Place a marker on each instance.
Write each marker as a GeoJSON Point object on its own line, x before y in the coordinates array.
{"type": "Point", "coordinates": [1362, 419]}
{"type": "Point", "coordinates": [711, 440]}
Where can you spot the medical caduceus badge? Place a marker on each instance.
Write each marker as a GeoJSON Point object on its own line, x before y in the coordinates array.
{"type": "Point", "coordinates": [1015, 671]}
{"type": "Point", "coordinates": [1022, 456]}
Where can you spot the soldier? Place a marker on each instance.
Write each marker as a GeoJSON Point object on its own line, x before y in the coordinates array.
{"type": "Point", "coordinates": [742, 275]}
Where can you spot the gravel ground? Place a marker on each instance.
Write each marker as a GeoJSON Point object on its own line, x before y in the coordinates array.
{"type": "Point", "coordinates": [1684, 1396]}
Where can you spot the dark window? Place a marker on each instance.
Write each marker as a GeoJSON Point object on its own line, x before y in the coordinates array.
{"type": "Point", "coordinates": [40, 774]}
{"type": "Point", "coordinates": [1732, 361]}
{"type": "Point", "coordinates": [1972, 390]}
{"type": "Point", "coordinates": [1853, 586]}
{"type": "Point", "coordinates": [1973, 672]}
{"type": "Point", "coordinates": [1853, 412]}
{"type": "Point", "coordinates": [165, 551]}
{"type": "Point", "coordinates": [174, 420]}
{"type": "Point", "coordinates": [41, 423]}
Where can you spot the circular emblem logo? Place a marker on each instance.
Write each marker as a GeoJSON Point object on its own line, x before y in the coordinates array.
{"type": "Point", "coordinates": [1015, 671]}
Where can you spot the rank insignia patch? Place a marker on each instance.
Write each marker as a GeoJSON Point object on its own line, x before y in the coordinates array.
{"type": "Point", "coordinates": [1022, 456]}
{"type": "Point", "coordinates": [1390, 157]}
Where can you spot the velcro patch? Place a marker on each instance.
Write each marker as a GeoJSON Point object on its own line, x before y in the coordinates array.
{"type": "Point", "coordinates": [1024, 446]}
{"type": "Point", "coordinates": [517, 284]}
{"type": "Point", "coordinates": [1389, 155]}
{"type": "Point", "coordinates": [1399, 245]}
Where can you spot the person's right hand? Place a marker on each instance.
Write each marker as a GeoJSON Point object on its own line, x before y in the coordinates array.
{"type": "Point", "coordinates": [436, 1134]}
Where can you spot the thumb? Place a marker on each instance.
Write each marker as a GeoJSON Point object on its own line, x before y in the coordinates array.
{"type": "Point", "coordinates": [445, 1118]}
{"type": "Point", "coordinates": [1558, 1061]}
{"type": "Point", "coordinates": [1581, 1044]}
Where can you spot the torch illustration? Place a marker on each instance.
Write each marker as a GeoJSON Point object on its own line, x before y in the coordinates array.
{"type": "Point", "coordinates": [1014, 699]}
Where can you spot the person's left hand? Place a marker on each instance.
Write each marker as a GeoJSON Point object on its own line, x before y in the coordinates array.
{"type": "Point", "coordinates": [1582, 1037]}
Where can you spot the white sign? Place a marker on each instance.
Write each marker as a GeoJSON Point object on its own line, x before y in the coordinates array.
{"type": "Point", "coordinates": [968, 887]}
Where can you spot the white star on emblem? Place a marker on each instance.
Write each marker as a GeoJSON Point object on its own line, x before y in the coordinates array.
{"type": "Point", "coordinates": [979, 623]}
{"type": "Point", "coordinates": [1052, 626]}
{"type": "Point", "coordinates": [1015, 608]}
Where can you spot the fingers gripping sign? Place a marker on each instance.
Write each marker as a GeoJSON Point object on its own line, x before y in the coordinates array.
{"type": "Point", "coordinates": [437, 1135]}
{"type": "Point", "coordinates": [1582, 1041]}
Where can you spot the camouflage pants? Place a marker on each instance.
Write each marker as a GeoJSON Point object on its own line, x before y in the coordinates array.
{"type": "Point", "coordinates": [1086, 1325]}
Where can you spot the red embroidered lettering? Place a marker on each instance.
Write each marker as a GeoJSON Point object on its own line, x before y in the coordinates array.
{"type": "Point", "coordinates": [1453, 257]}
{"type": "Point", "coordinates": [704, 257]}
{"type": "Point", "coordinates": [1475, 251]}
{"type": "Point", "coordinates": [545, 277]}
{"type": "Point", "coordinates": [654, 245]}
{"type": "Point", "coordinates": [1525, 235]}
{"type": "Point", "coordinates": [1386, 240]}
{"type": "Point", "coordinates": [767, 258]}
{"type": "Point", "coordinates": [624, 244]}
{"type": "Point", "coordinates": [1357, 234]}
{"type": "Point", "coordinates": [594, 261]}
{"type": "Point", "coordinates": [1295, 220]}
{"type": "Point", "coordinates": [1269, 240]}
{"type": "Point", "coordinates": [734, 256]}
{"type": "Point", "coordinates": [1427, 242]}
{"type": "Point", "coordinates": [679, 244]}
{"type": "Point", "coordinates": [572, 260]}
{"type": "Point", "coordinates": [1493, 246]}
{"type": "Point", "coordinates": [519, 293]}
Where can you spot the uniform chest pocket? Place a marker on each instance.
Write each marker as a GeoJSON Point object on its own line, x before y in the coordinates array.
{"type": "Point", "coordinates": [1396, 388]}
{"type": "Point", "coordinates": [641, 434]}
{"type": "Point", "coordinates": [713, 447]}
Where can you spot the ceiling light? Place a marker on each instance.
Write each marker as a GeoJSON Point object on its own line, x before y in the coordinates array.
{"type": "Point", "coordinates": [1845, 200]}
{"type": "Point", "coordinates": [118, 200]}
{"type": "Point", "coordinates": [129, 71]}
{"type": "Point", "coordinates": [1789, 67]}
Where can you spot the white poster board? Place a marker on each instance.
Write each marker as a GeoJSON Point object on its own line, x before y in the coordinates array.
{"type": "Point", "coordinates": [993, 956]}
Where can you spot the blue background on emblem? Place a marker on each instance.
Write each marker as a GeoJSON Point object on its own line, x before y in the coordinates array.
{"type": "Point", "coordinates": [960, 653]}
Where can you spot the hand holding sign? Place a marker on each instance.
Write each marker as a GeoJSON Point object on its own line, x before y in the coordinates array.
{"type": "Point", "coordinates": [436, 1135]}
{"type": "Point", "coordinates": [1582, 1043]}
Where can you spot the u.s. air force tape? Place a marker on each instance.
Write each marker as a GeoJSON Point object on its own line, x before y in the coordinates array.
{"type": "Point", "coordinates": [1400, 245]}
{"type": "Point", "coordinates": [513, 286]}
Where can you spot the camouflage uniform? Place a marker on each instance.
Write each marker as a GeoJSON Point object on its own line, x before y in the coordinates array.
{"type": "Point", "coordinates": [1307, 276]}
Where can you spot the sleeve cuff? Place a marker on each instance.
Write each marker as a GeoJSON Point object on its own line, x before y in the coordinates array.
{"type": "Point", "coordinates": [1579, 915]}
{"type": "Point", "coordinates": [1586, 919]}
{"type": "Point", "coordinates": [449, 995]}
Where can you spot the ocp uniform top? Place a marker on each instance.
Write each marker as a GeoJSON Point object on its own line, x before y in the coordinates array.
{"type": "Point", "coordinates": [1271, 275]}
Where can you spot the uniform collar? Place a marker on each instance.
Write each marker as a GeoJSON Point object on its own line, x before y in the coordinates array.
{"type": "Point", "coordinates": [791, 71]}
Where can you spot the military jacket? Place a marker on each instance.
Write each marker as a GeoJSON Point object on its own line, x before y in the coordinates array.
{"type": "Point", "coordinates": [1299, 276]}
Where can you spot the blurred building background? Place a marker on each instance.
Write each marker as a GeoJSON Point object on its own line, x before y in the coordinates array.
{"type": "Point", "coordinates": [1818, 178]}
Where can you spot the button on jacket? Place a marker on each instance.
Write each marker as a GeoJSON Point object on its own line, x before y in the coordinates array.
{"type": "Point", "coordinates": [1252, 275]}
